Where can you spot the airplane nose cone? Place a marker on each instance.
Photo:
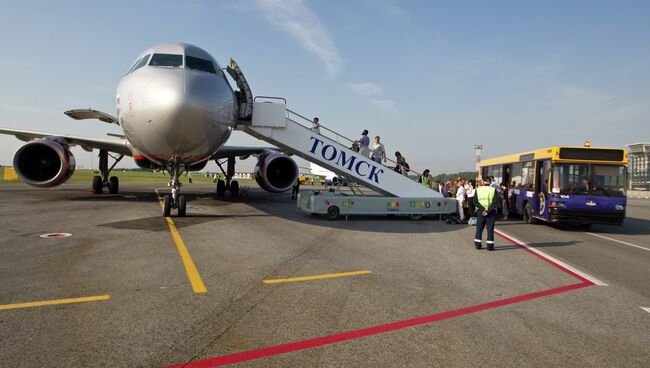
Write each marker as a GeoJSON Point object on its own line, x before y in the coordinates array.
{"type": "Point", "coordinates": [164, 90]}
{"type": "Point", "coordinates": [186, 114]}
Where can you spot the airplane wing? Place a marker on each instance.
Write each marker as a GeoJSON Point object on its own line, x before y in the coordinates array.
{"type": "Point", "coordinates": [114, 145]}
{"type": "Point", "coordinates": [243, 152]}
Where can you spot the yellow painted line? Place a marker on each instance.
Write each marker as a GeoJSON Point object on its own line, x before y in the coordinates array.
{"type": "Point", "coordinates": [190, 268]}
{"type": "Point", "coordinates": [54, 302]}
{"type": "Point", "coordinates": [317, 277]}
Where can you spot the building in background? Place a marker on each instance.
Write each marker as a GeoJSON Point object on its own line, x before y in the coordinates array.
{"type": "Point", "coordinates": [639, 166]}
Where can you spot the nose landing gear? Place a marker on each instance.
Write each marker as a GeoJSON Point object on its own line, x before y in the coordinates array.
{"type": "Point", "coordinates": [176, 200]}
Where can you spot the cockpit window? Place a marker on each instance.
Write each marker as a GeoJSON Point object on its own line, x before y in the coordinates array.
{"type": "Point", "coordinates": [139, 64]}
{"type": "Point", "coordinates": [203, 65]}
{"type": "Point", "coordinates": [169, 60]}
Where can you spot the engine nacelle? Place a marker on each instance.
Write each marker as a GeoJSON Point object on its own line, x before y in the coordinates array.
{"type": "Point", "coordinates": [198, 166]}
{"type": "Point", "coordinates": [276, 172]}
{"type": "Point", "coordinates": [145, 163]}
{"type": "Point", "coordinates": [44, 163]}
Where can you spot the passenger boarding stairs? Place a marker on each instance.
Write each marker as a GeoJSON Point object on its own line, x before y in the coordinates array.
{"type": "Point", "coordinates": [279, 126]}
{"type": "Point", "coordinates": [272, 122]}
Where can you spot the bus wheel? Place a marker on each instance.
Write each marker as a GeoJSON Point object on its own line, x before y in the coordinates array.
{"type": "Point", "coordinates": [527, 217]}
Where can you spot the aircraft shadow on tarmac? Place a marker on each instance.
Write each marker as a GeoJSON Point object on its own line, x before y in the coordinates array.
{"type": "Point", "coordinates": [259, 203]}
{"type": "Point", "coordinates": [155, 223]}
{"type": "Point", "coordinates": [283, 207]}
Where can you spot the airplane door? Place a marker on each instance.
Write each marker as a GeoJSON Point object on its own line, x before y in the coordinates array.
{"type": "Point", "coordinates": [542, 173]}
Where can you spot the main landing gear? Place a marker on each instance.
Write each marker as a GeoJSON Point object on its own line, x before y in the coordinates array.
{"type": "Point", "coordinates": [228, 184]}
{"type": "Point", "coordinates": [104, 181]}
{"type": "Point", "coordinates": [176, 200]}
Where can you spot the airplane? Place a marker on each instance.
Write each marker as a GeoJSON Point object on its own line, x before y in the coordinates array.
{"type": "Point", "coordinates": [177, 109]}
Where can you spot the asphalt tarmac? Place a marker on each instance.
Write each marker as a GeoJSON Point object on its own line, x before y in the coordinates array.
{"type": "Point", "coordinates": [254, 282]}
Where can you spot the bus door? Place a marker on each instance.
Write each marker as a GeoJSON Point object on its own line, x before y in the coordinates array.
{"type": "Point", "coordinates": [542, 174]}
{"type": "Point", "coordinates": [506, 180]}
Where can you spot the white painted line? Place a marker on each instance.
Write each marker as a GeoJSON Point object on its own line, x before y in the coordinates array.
{"type": "Point", "coordinates": [555, 260]}
{"type": "Point", "coordinates": [620, 241]}
{"type": "Point", "coordinates": [646, 309]}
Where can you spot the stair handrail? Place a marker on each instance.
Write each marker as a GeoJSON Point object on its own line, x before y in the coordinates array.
{"type": "Point", "coordinates": [336, 134]}
{"type": "Point", "coordinates": [339, 135]}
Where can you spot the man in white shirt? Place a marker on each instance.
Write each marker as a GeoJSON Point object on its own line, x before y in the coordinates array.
{"type": "Point", "coordinates": [378, 151]}
{"type": "Point", "coordinates": [460, 198]}
{"type": "Point", "coordinates": [315, 125]}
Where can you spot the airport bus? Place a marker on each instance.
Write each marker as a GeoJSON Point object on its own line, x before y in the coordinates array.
{"type": "Point", "coordinates": [573, 185]}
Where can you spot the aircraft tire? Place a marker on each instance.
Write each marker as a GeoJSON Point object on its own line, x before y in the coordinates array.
{"type": "Point", "coordinates": [234, 188]}
{"type": "Point", "coordinates": [98, 185]}
{"type": "Point", "coordinates": [221, 188]}
{"type": "Point", "coordinates": [167, 206]}
{"type": "Point", "coordinates": [113, 185]}
{"type": "Point", "coordinates": [182, 206]}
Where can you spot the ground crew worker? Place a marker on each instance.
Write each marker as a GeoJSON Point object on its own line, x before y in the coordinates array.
{"type": "Point", "coordinates": [424, 179]}
{"type": "Point", "coordinates": [296, 189]}
{"type": "Point", "coordinates": [486, 201]}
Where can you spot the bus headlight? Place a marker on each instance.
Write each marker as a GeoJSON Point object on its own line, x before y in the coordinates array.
{"type": "Point", "coordinates": [620, 207]}
{"type": "Point", "coordinates": [557, 204]}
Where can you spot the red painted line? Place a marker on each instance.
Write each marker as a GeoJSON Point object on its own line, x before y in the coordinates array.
{"type": "Point", "coordinates": [351, 335]}
{"type": "Point", "coordinates": [356, 334]}
{"type": "Point", "coordinates": [560, 267]}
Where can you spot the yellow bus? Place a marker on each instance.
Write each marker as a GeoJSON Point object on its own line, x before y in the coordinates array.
{"type": "Point", "coordinates": [574, 185]}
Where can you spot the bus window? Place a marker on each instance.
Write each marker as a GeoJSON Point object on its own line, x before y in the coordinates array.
{"type": "Point", "coordinates": [608, 180]}
{"type": "Point", "coordinates": [527, 174]}
{"type": "Point", "coordinates": [496, 172]}
{"type": "Point", "coordinates": [571, 179]}
{"type": "Point", "coordinates": [516, 173]}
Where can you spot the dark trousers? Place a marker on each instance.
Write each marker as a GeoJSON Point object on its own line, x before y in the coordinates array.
{"type": "Point", "coordinates": [471, 207]}
{"type": "Point", "coordinates": [485, 221]}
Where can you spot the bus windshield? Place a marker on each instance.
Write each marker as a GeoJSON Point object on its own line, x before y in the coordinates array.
{"type": "Point", "coordinates": [604, 180]}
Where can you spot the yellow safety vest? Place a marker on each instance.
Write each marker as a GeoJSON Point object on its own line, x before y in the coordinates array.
{"type": "Point", "coordinates": [425, 181]}
{"type": "Point", "coordinates": [485, 194]}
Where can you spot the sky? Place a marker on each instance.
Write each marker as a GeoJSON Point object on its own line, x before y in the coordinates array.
{"type": "Point", "coordinates": [431, 78]}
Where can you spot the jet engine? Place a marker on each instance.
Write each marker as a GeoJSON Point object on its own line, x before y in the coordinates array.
{"type": "Point", "coordinates": [276, 172]}
{"type": "Point", "coordinates": [198, 166]}
{"type": "Point", "coordinates": [145, 163]}
{"type": "Point", "coordinates": [44, 163]}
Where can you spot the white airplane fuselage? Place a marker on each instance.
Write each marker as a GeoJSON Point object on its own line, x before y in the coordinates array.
{"type": "Point", "coordinates": [175, 113]}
